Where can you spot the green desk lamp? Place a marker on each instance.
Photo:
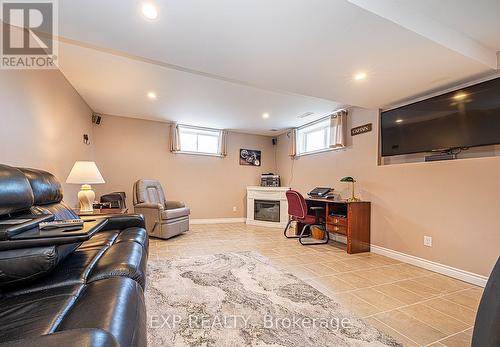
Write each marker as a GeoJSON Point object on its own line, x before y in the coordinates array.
{"type": "Point", "coordinates": [350, 179]}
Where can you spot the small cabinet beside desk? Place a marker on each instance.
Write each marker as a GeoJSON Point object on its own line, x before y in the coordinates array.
{"type": "Point", "coordinates": [351, 219]}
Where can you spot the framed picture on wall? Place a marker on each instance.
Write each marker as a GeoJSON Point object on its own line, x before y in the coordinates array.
{"type": "Point", "coordinates": [250, 157]}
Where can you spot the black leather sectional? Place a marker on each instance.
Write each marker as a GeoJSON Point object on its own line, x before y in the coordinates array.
{"type": "Point", "coordinates": [86, 293]}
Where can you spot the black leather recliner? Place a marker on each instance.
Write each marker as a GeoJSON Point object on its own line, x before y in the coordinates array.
{"type": "Point", "coordinates": [88, 294]}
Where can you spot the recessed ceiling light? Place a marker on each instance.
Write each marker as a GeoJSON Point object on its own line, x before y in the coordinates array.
{"type": "Point", "coordinates": [399, 120]}
{"type": "Point", "coordinates": [152, 95]}
{"type": "Point", "coordinates": [265, 115]}
{"type": "Point", "coordinates": [460, 96]}
{"type": "Point", "coordinates": [360, 76]}
{"type": "Point", "coordinates": [149, 11]}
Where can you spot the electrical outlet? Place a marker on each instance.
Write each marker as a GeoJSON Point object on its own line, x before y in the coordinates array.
{"type": "Point", "coordinates": [235, 209]}
{"type": "Point", "coordinates": [428, 241]}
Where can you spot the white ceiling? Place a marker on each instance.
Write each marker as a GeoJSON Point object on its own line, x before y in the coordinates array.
{"type": "Point", "coordinates": [222, 63]}
{"type": "Point", "coordinates": [478, 19]}
{"type": "Point", "coordinates": [116, 85]}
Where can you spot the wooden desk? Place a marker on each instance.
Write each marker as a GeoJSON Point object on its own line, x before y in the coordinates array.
{"type": "Point", "coordinates": [101, 211]}
{"type": "Point", "coordinates": [351, 219]}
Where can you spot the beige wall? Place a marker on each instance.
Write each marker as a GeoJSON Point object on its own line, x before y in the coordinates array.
{"type": "Point", "coordinates": [43, 122]}
{"type": "Point", "coordinates": [455, 202]}
{"type": "Point", "coordinates": [130, 149]}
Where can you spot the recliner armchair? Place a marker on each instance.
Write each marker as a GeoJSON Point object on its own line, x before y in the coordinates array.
{"type": "Point", "coordinates": [164, 219]}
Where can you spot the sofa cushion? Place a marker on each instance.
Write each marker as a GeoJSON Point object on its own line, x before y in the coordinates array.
{"type": "Point", "coordinates": [48, 195]}
{"type": "Point", "coordinates": [36, 313]}
{"type": "Point", "coordinates": [60, 210]}
{"type": "Point", "coordinates": [96, 259]}
{"type": "Point", "coordinates": [74, 270]}
{"type": "Point", "coordinates": [126, 259]}
{"type": "Point", "coordinates": [73, 337]}
{"type": "Point", "coordinates": [28, 264]}
{"type": "Point", "coordinates": [175, 213]}
{"type": "Point", "coordinates": [46, 188]}
{"type": "Point", "coordinates": [15, 191]}
{"type": "Point", "coordinates": [115, 305]}
{"type": "Point", "coordinates": [101, 239]}
{"type": "Point", "coordinates": [138, 235]}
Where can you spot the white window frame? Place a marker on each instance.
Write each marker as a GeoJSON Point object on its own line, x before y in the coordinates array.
{"type": "Point", "coordinates": [200, 131]}
{"type": "Point", "coordinates": [303, 130]}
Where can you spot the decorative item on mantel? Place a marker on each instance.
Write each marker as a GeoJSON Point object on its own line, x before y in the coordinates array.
{"type": "Point", "coordinates": [350, 179]}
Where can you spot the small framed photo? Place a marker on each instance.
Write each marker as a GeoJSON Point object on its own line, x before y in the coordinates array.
{"type": "Point", "coordinates": [250, 157]}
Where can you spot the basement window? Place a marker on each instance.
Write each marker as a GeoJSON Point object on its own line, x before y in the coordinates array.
{"type": "Point", "coordinates": [314, 137]}
{"type": "Point", "coordinates": [199, 140]}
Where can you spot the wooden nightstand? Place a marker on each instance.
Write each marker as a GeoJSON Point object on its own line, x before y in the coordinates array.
{"type": "Point", "coordinates": [101, 212]}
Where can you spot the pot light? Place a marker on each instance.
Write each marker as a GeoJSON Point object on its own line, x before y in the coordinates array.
{"type": "Point", "coordinates": [265, 115]}
{"type": "Point", "coordinates": [460, 96]}
{"type": "Point", "coordinates": [149, 11]}
{"type": "Point", "coordinates": [152, 95]}
{"type": "Point", "coordinates": [360, 76]}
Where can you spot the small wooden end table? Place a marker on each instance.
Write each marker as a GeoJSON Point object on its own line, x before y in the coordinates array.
{"type": "Point", "coordinates": [101, 211]}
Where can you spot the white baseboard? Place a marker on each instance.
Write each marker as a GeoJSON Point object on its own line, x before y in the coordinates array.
{"type": "Point", "coordinates": [265, 224]}
{"type": "Point", "coordinates": [462, 275]}
{"type": "Point", "coordinates": [217, 220]}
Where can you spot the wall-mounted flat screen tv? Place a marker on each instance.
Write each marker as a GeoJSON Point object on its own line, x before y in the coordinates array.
{"type": "Point", "coordinates": [464, 118]}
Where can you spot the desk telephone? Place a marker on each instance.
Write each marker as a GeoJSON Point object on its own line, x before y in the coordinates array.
{"type": "Point", "coordinates": [321, 192]}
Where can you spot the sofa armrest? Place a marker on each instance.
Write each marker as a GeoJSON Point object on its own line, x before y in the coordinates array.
{"type": "Point", "coordinates": [74, 337]}
{"type": "Point", "coordinates": [120, 221]}
{"type": "Point", "coordinates": [174, 204]}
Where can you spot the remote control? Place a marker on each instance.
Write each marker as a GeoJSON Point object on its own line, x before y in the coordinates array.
{"type": "Point", "coordinates": [73, 223]}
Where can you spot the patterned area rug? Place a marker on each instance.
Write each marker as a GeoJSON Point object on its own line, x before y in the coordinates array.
{"type": "Point", "coordinates": [239, 299]}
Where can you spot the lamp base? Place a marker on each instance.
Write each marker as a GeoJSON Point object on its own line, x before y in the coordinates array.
{"type": "Point", "coordinates": [86, 197]}
{"type": "Point", "coordinates": [353, 198]}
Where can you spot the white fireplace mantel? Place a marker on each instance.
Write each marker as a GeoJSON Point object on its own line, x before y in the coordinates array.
{"type": "Point", "coordinates": [270, 194]}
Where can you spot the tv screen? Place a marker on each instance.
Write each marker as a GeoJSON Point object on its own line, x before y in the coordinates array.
{"type": "Point", "coordinates": [463, 118]}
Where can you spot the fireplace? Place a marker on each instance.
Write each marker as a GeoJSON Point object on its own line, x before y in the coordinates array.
{"type": "Point", "coordinates": [267, 210]}
{"type": "Point", "coordinates": [267, 206]}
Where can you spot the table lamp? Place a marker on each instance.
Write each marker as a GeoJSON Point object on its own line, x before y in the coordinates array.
{"type": "Point", "coordinates": [85, 173]}
{"type": "Point", "coordinates": [350, 180]}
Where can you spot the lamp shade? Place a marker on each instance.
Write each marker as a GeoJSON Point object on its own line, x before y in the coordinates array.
{"type": "Point", "coordinates": [85, 172]}
{"type": "Point", "coordinates": [347, 179]}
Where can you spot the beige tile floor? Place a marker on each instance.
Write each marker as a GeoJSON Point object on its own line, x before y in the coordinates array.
{"type": "Point", "coordinates": [416, 306]}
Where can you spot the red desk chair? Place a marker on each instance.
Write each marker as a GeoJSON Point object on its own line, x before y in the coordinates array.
{"type": "Point", "coordinates": [297, 209]}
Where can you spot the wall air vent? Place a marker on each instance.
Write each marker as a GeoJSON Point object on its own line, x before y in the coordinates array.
{"type": "Point", "coordinates": [305, 115]}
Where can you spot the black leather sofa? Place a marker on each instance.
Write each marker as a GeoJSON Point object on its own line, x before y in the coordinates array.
{"type": "Point", "coordinates": [487, 326]}
{"type": "Point", "coordinates": [72, 294]}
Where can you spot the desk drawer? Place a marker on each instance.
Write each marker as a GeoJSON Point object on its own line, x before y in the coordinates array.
{"type": "Point", "coordinates": [336, 229]}
{"type": "Point", "coordinates": [342, 221]}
